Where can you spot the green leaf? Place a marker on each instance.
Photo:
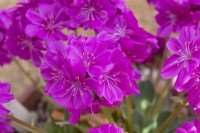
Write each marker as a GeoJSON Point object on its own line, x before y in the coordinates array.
{"type": "Point", "coordinates": [82, 128]}
{"type": "Point", "coordinates": [107, 112]}
{"type": "Point", "coordinates": [162, 117]}
{"type": "Point", "coordinates": [138, 121]}
{"type": "Point", "coordinates": [177, 99]}
{"type": "Point", "coordinates": [123, 110]}
{"type": "Point", "coordinates": [177, 123]}
{"type": "Point", "coordinates": [67, 115]}
{"type": "Point", "coordinates": [149, 126]}
{"type": "Point", "coordinates": [53, 128]}
{"type": "Point", "coordinates": [143, 101]}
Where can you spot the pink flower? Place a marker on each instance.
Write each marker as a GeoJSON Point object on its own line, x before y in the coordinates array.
{"type": "Point", "coordinates": [5, 97]}
{"type": "Point", "coordinates": [91, 13]}
{"type": "Point", "coordinates": [48, 22]}
{"type": "Point", "coordinates": [79, 78]}
{"type": "Point", "coordinates": [172, 16]}
{"type": "Point", "coordinates": [19, 44]}
{"type": "Point", "coordinates": [109, 128]}
{"type": "Point", "coordinates": [189, 127]}
{"type": "Point", "coordinates": [186, 53]}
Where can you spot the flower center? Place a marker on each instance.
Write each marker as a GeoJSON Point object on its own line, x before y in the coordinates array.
{"type": "Point", "coordinates": [76, 86]}
{"type": "Point", "coordinates": [25, 41]}
{"type": "Point", "coordinates": [88, 59]}
{"type": "Point", "coordinates": [50, 24]}
{"type": "Point", "coordinates": [186, 53]}
{"type": "Point", "coordinates": [110, 80]}
{"type": "Point", "coordinates": [122, 30]}
{"type": "Point", "coordinates": [92, 9]}
{"type": "Point", "coordinates": [78, 83]}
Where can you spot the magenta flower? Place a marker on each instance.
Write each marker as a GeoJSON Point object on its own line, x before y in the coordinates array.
{"type": "Point", "coordinates": [194, 99]}
{"type": "Point", "coordinates": [4, 125]}
{"type": "Point", "coordinates": [191, 84]}
{"type": "Point", "coordinates": [34, 2]}
{"type": "Point", "coordinates": [2, 34]}
{"type": "Point", "coordinates": [5, 97]}
{"type": "Point", "coordinates": [115, 80]}
{"type": "Point", "coordinates": [77, 93]}
{"type": "Point", "coordinates": [120, 4]}
{"type": "Point", "coordinates": [23, 46]}
{"type": "Point", "coordinates": [122, 25]}
{"type": "Point", "coordinates": [197, 2]}
{"type": "Point", "coordinates": [5, 20]}
{"type": "Point", "coordinates": [19, 11]}
{"type": "Point", "coordinates": [25, 5]}
{"type": "Point", "coordinates": [5, 23]}
{"type": "Point", "coordinates": [172, 16]}
{"type": "Point", "coordinates": [91, 13]}
{"type": "Point", "coordinates": [134, 41]}
{"type": "Point", "coordinates": [68, 83]}
{"type": "Point", "coordinates": [51, 68]}
{"type": "Point", "coordinates": [91, 52]}
{"type": "Point", "coordinates": [4, 55]}
{"type": "Point", "coordinates": [195, 20]}
{"type": "Point", "coordinates": [135, 52]}
{"type": "Point", "coordinates": [188, 81]}
{"type": "Point", "coordinates": [107, 128]}
{"type": "Point", "coordinates": [94, 108]}
{"type": "Point", "coordinates": [118, 79]}
{"type": "Point", "coordinates": [189, 127]}
{"type": "Point", "coordinates": [152, 1]}
{"type": "Point", "coordinates": [185, 53]}
{"type": "Point", "coordinates": [79, 78]}
{"type": "Point", "coordinates": [48, 22]}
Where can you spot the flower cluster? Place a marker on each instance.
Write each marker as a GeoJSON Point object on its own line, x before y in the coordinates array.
{"type": "Point", "coordinates": [80, 79]}
{"type": "Point", "coordinates": [184, 63]}
{"type": "Point", "coordinates": [137, 44]}
{"type": "Point", "coordinates": [110, 128]}
{"type": "Point", "coordinates": [5, 97]}
{"type": "Point", "coordinates": [89, 72]}
{"type": "Point", "coordinates": [14, 41]}
{"type": "Point", "coordinates": [175, 14]}
{"type": "Point", "coordinates": [27, 28]}
{"type": "Point", "coordinates": [91, 13]}
{"type": "Point", "coordinates": [189, 127]}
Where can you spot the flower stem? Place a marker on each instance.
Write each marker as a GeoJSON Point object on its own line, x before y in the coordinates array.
{"type": "Point", "coordinates": [19, 123]}
{"type": "Point", "coordinates": [160, 99]}
{"type": "Point", "coordinates": [40, 88]}
{"type": "Point", "coordinates": [158, 77]}
{"type": "Point", "coordinates": [106, 111]}
{"type": "Point", "coordinates": [28, 75]}
{"type": "Point", "coordinates": [171, 117]}
{"type": "Point", "coordinates": [129, 105]}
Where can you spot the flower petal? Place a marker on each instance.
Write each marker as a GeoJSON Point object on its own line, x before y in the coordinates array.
{"type": "Point", "coordinates": [31, 30]}
{"type": "Point", "coordinates": [173, 45]}
{"type": "Point", "coordinates": [171, 68]}
{"type": "Point", "coordinates": [34, 17]}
